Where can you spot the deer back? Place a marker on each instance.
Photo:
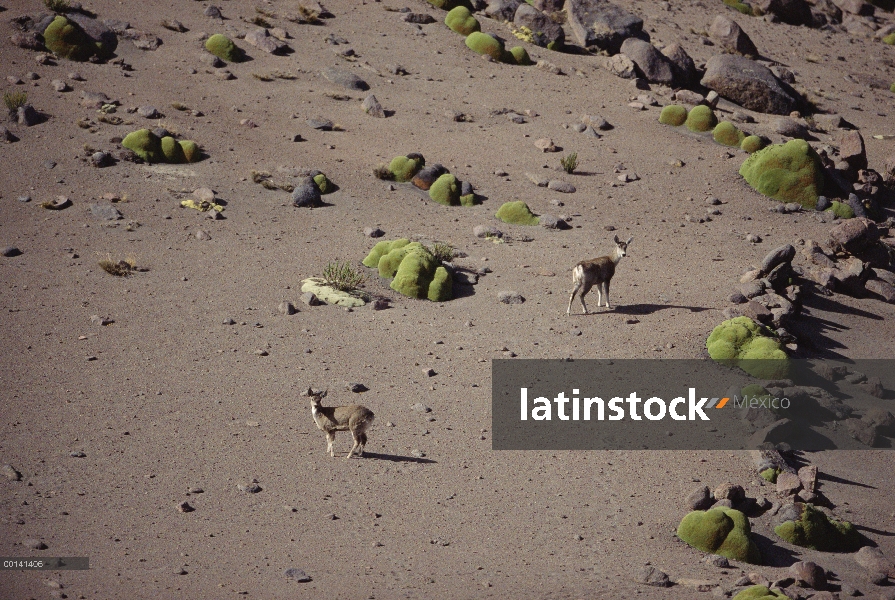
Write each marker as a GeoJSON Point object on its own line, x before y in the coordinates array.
{"type": "Point", "coordinates": [597, 270]}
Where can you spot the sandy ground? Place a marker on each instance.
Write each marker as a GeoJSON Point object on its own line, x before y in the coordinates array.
{"type": "Point", "coordinates": [176, 399]}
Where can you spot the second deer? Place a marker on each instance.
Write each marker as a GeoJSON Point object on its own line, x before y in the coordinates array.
{"type": "Point", "coordinates": [599, 272]}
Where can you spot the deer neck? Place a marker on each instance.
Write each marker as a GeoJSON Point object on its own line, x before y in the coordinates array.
{"type": "Point", "coordinates": [615, 257]}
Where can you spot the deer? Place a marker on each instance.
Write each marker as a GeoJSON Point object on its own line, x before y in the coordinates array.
{"type": "Point", "coordinates": [330, 419]}
{"type": "Point", "coordinates": [597, 271]}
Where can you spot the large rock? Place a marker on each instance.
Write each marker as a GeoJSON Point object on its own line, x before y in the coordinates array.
{"type": "Point", "coordinates": [654, 65]}
{"type": "Point", "coordinates": [544, 31]}
{"type": "Point", "coordinates": [856, 7]}
{"type": "Point", "coordinates": [851, 149]}
{"type": "Point", "coordinates": [685, 73]}
{"type": "Point", "coordinates": [601, 24]}
{"type": "Point", "coordinates": [731, 37]}
{"type": "Point", "coordinates": [105, 39]}
{"type": "Point", "coordinates": [502, 10]}
{"type": "Point", "coordinates": [749, 84]}
{"type": "Point", "coordinates": [261, 39]}
{"type": "Point", "coordinates": [792, 12]}
{"type": "Point", "coordinates": [853, 235]}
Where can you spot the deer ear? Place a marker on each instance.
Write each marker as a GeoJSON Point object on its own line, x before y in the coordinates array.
{"type": "Point", "coordinates": [309, 393]}
{"type": "Point", "coordinates": [629, 240]}
{"type": "Point", "coordinates": [323, 393]}
{"type": "Point", "coordinates": [617, 241]}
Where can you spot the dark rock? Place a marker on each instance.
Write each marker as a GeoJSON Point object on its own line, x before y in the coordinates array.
{"type": "Point", "coordinates": [545, 32]}
{"type": "Point", "coordinates": [105, 212]}
{"type": "Point", "coordinates": [428, 175]}
{"type": "Point", "coordinates": [790, 128]}
{"type": "Point", "coordinates": [261, 39]}
{"type": "Point", "coordinates": [307, 193]}
{"type": "Point", "coordinates": [10, 251]}
{"type": "Point", "coordinates": [297, 575]}
{"type": "Point", "coordinates": [27, 116]}
{"type": "Point", "coordinates": [777, 256]}
{"type": "Point", "coordinates": [791, 12]}
{"type": "Point", "coordinates": [502, 10]}
{"type": "Point", "coordinates": [418, 18]}
{"type": "Point", "coordinates": [510, 297]}
{"type": "Point", "coordinates": [96, 31]}
{"type": "Point", "coordinates": [311, 299]}
{"type": "Point", "coordinates": [851, 149]}
{"type": "Point", "coordinates": [345, 79]}
{"type": "Point", "coordinates": [286, 308]}
{"type": "Point", "coordinates": [749, 84]}
{"type": "Point", "coordinates": [884, 290]}
{"type": "Point", "coordinates": [853, 235]}
{"type": "Point", "coordinates": [373, 232]}
{"type": "Point", "coordinates": [729, 35]}
{"type": "Point", "coordinates": [652, 576]}
{"type": "Point", "coordinates": [700, 498]}
{"type": "Point", "coordinates": [655, 66]}
{"type": "Point", "coordinates": [684, 68]}
{"type": "Point", "coordinates": [600, 24]}
{"type": "Point", "coordinates": [372, 107]}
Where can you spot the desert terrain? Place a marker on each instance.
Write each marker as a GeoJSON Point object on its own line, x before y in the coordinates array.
{"type": "Point", "coordinates": [124, 397]}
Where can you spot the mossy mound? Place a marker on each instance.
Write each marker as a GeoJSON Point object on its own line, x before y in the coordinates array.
{"type": "Point", "coordinates": [416, 271]}
{"type": "Point", "coordinates": [450, 4]}
{"type": "Point", "coordinates": [330, 295]}
{"type": "Point", "coordinates": [66, 40]}
{"type": "Point", "coordinates": [727, 134]}
{"type": "Point", "coordinates": [144, 144]}
{"type": "Point", "coordinates": [446, 190]}
{"type": "Point", "coordinates": [701, 118]}
{"type": "Point", "coordinates": [485, 44]}
{"type": "Point", "coordinates": [326, 186]}
{"type": "Point", "coordinates": [172, 150]}
{"type": "Point", "coordinates": [752, 144]}
{"type": "Point", "coordinates": [889, 39]}
{"type": "Point", "coordinates": [789, 172]}
{"type": "Point", "coordinates": [722, 531]}
{"type": "Point", "coordinates": [841, 210]}
{"type": "Point", "coordinates": [517, 213]}
{"type": "Point", "coordinates": [403, 168]}
{"type": "Point", "coordinates": [741, 342]}
{"type": "Point", "coordinates": [520, 55]}
{"type": "Point", "coordinates": [467, 200]}
{"type": "Point", "coordinates": [224, 48]}
{"type": "Point", "coordinates": [191, 150]}
{"type": "Point", "coordinates": [770, 474]}
{"type": "Point", "coordinates": [892, 87]}
{"type": "Point", "coordinates": [460, 19]}
{"type": "Point", "coordinates": [760, 592]}
{"type": "Point", "coordinates": [673, 114]}
{"type": "Point", "coordinates": [813, 529]}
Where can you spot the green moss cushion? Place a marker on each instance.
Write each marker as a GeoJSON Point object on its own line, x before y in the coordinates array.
{"type": "Point", "coordinates": [701, 118]}
{"type": "Point", "coordinates": [172, 150]}
{"type": "Point", "coordinates": [841, 210]}
{"type": "Point", "coordinates": [811, 528]}
{"type": "Point", "coordinates": [517, 213]}
{"type": "Point", "coordinates": [446, 190]}
{"type": "Point", "coordinates": [224, 48]}
{"type": "Point", "coordinates": [485, 44]}
{"type": "Point", "coordinates": [760, 592]}
{"type": "Point", "coordinates": [789, 172]}
{"type": "Point", "coordinates": [742, 342]}
{"type": "Point", "coordinates": [145, 144]}
{"type": "Point", "coordinates": [727, 134]}
{"type": "Point", "coordinates": [405, 167]}
{"type": "Point", "coordinates": [722, 531]}
{"type": "Point", "coordinates": [674, 114]}
{"type": "Point", "coordinates": [416, 271]}
{"type": "Point", "coordinates": [520, 55]}
{"type": "Point", "coordinates": [191, 151]}
{"type": "Point", "coordinates": [66, 40]}
{"type": "Point", "coordinates": [460, 20]}
{"type": "Point", "coordinates": [751, 144]}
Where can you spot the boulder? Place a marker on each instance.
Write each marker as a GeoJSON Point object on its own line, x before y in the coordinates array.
{"type": "Point", "coordinates": [851, 149]}
{"type": "Point", "coordinates": [749, 84]}
{"type": "Point", "coordinates": [683, 66]}
{"type": "Point", "coordinates": [729, 35]}
{"type": "Point", "coordinates": [543, 31]}
{"type": "Point", "coordinates": [853, 235]}
{"type": "Point", "coordinates": [791, 12]}
{"type": "Point", "coordinates": [502, 10]}
{"type": "Point", "coordinates": [602, 25]}
{"type": "Point", "coordinates": [654, 65]}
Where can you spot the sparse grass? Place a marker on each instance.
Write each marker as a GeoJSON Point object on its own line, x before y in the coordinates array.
{"type": "Point", "coordinates": [337, 96]}
{"type": "Point", "coordinates": [110, 119]}
{"type": "Point", "coordinates": [121, 268]}
{"type": "Point", "coordinates": [267, 13]}
{"type": "Point", "coordinates": [274, 75]}
{"type": "Point", "coordinates": [180, 106]}
{"type": "Point", "coordinates": [84, 123]}
{"type": "Point", "coordinates": [569, 163]}
{"type": "Point", "coordinates": [342, 276]}
{"type": "Point", "coordinates": [442, 252]}
{"type": "Point", "coordinates": [310, 16]}
{"type": "Point", "coordinates": [265, 180]}
{"type": "Point", "coordinates": [262, 77]}
{"type": "Point", "coordinates": [382, 172]}
{"type": "Point", "coordinates": [57, 6]}
{"type": "Point", "coordinates": [13, 100]}
{"type": "Point", "coordinates": [260, 22]}
{"type": "Point", "coordinates": [740, 6]}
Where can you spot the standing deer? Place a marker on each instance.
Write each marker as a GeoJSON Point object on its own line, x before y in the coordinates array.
{"type": "Point", "coordinates": [330, 419]}
{"type": "Point", "coordinates": [597, 271]}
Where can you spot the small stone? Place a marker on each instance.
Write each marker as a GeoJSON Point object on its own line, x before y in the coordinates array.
{"type": "Point", "coordinates": [379, 304]}
{"type": "Point", "coordinates": [249, 488]}
{"type": "Point", "coordinates": [202, 235]}
{"type": "Point", "coordinates": [310, 299]}
{"type": "Point", "coordinates": [78, 453]}
{"type": "Point", "coordinates": [510, 297]}
{"type": "Point", "coordinates": [652, 576]}
{"type": "Point", "coordinates": [260, 352]}
{"type": "Point", "coordinates": [185, 507]}
{"type": "Point", "coordinates": [810, 574]}
{"type": "Point", "coordinates": [10, 473]}
{"type": "Point", "coordinates": [546, 145]}
{"type": "Point", "coordinates": [320, 123]}
{"type": "Point", "coordinates": [419, 407]}
{"type": "Point", "coordinates": [34, 544]}
{"type": "Point", "coordinates": [372, 107]}
{"type": "Point", "coordinates": [286, 308]}
{"type": "Point", "coordinates": [105, 212]}
{"type": "Point", "coordinates": [149, 112]}
{"type": "Point", "coordinates": [717, 561]}
{"type": "Point", "coordinates": [417, 453]}
{"type": "Point", "coordinates": [561, 186]}
{"type": "Point", "coordinates": [753, 239]}
{"type": "Point", "coordinates": [355, 388]}
{"type": "Point", "coordinates": [485, 231]}
{"type": "Point", "coordinates": [101, 321]}
{"type": "Point", "coordinates": [297, 575]}
{"type": "Point", "coordinates": [10, 251]}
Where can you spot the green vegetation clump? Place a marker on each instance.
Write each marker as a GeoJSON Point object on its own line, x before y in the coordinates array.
{"type": "Point", "coordinates": [741, 342]}
{"type": "Point", "coordinates": [326, 186]}
{"type": "Point", "coordinates": [889, 39]}
{"type": "Point", "coordinates": [841, 210]}
{"type": "Point", "coordinates": [172, 150]}
{"type": "Point", "coordinates": [66, 40]}
{"type": "Point", "coordinates": [446, 190]}
{"type": "Point", "coordinates": [403, 168]}
{"type": "Point", "coordinates": [460, 20]}
{"type": "Point", "coordinates": [416, 271]}
{"type": "Point", "coordinates": [224, 48]}
{"type": "Point", "coordinates": [892, 87]}
{"type": "Point", "coordinates": [342, 276]}
{"type": "Point", "coordinates": [813, 529]}
{"type": "Point", "coordinates": [517, 213]}
{"type": "Point", "coordinates": [760, 592]}
{"type": "Point", "coordinates": [740, 6]}
{"type": "Point", "coordinates": [701, 118]}
{"type": "Point", "coordinates": [789, 172]}
{"type": "Point", "coordinates": [145, 144]}
{"type": "Point", "coordinates": [520, 55]}
{"type": "Point", "coordinates": [770, 474]}
{"type": "Point", "coordinates": [752, 144]}
{"type": "Point", "coordinates": [727, 134]}
{"type": "Point", "coordinates": [57, 6]}
{"type": "Point", "coordinates": [191, 151]}
{"type": "Point", "coordinates": [485, 44]}
{"type": "Point", "coordinates": [13, 100]}
{"type": "Point", "coordinates": [722, 531]}
{"type": "Point", "coordinates": [569, 163]}
{"type": "Point", "coordinates": [450, 4]}
{"type": "Point", "coordinates": [673, 114]}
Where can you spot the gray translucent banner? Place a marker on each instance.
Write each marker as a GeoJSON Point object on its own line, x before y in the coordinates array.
{"type": "Point", "coordinates": [37, 563]}
{"type": "Point", "coordinates": [636, 404]}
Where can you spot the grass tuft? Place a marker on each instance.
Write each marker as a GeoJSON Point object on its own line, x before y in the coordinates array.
{"type": "Point", "coordinates": [569, 163]}
{"type": "Point", "coordinates": [342, 276]}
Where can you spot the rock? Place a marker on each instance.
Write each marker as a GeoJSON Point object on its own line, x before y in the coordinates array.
{"type": "Point", "coordinates": [99, 32]}
{"type": "Point", "coordinates": [310, 299]}
{"type": "Point", "coordinates": [373, 232]}
{"type": "Point", "coordinates": [372, 107]}
{"type": "Point", "coordinates": [864, 432]}
{"type": "Point", "coordinates": [34, 544]}
{"type": "Point", "coordinates": [345, 79]}
{"type": "Point", "coordinates": [27, 40]}
{"type": "Point", "coordinates": [484, 231]}
{"type": "Point", "coordinates": [379, 304]}
{"type": "Point", "coordinates": [549, 222]}
{"type": "Point", "coordinates": [10, 473]}
{"type": "Point", "coordinates": [538, 180]}
{"type": "Point", "coordinates": [213, 12]}
{"type": "Point", "coordinates": [306, 194]}
{"type": "Point", "coordinates": [729, 35]}
{"type": "Point", "coordinates": [752, 289]}
{"type": "Point", "coordinates": [546, 145]}
{"type": "Point", "coordinates": [749, 84]}
{"type": "Point", "coordinates": [790, 128]}
{"type": "Point", "coordinates": [27, 116]}
{"type": "Point", "coordinates": [884, 290]}
{"type": "Point", "coordinates": [320, 123]}
{"type": "Point", "coordinates": [561, 186]}
{"type": "Point", "coordinates": [545, 32]}
{"type": "Point", "coordinates": [788, 483]}
{"type": "Point", "coordinates": [596, 121]}
{"type": "Point", "coordinates": [856, 7]}
{"type": "Point", "coordinates": [654, 65]}
{"type": "Point", "coordinates": [94, 99]}
{"type": "Point", "coordinates": [791, 12]}
{"type": "Point", "coordinates": [851, 149]}
{"type": "Point", "coordinates": [185, 507]}
{"type": "Point", "coordinates": [261, 39]}
{"type": "Point", "coordinates": [684, 68]}
{"type": "Point", "coordinates": [730, 491]}
{"type": "Point", "coordinates": [783, 254]}
{"type": "Point", "coordinates": [718, 561]}
{"type": "Point", "coordinates": [100, 159]}
{"type": "Point", "coordinates": [286, 308]}
{"type": "Point", "coordinates": [418, 18]}
{"type": "Point", "coordinates": [7, 136]}
{"type": "Point", "coordinates": [689, 97]}
{"type": "Point", "coordinates": [809, 574]}
{"type": "Point", "coordinates": [105, 212]}
{"type": "Point", "coordinates": [510, 297]}
{"type": "Point", "coordinates": [873, 559]}
{"type": "Point", "coordinates": [60, 86]}
{"type": "Point", "coordinates": [737, 298]}
{"type": "Point", "coordinates": [502, 10]}
{"type": "Point", "coordinates": [297, 575]}
{"type": "Point", "coordinates": [428, 175]}
{"type": "Point", "coordinates": [700, 498]}
{"type": "Point", "coordinates": [355, 388]}
{"type": "Point", "coordinates": [602, 25]}
{"type": "Point", "coordinates": [652, 576]}
{"type": "Point", "coordinates": [853, 235]}
{"type": "Point", "coordinates": [249, 488]}
{"type": "Point", "coordinates": [419, 407]}
{"type": "Point", "coordinates": [10, 251]}
{"type": "Point", "coordinates": [202, 236]}
{"type": "Point", "coordinates": [619, 65]}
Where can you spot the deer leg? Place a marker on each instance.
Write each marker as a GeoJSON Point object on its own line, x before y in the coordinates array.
{"type": "Point", "coordinates": [581, 297]}
{"type": "Point", "coordinates": [572, 297]}
{"type": "Point", "coordinates": [363, 444]}
{"type": "Point", "coordinates": [606, 292]}
{"type": "Point", "coordinates": [330, 438]}
{"type": "Point", "coordinates": [356, 445]}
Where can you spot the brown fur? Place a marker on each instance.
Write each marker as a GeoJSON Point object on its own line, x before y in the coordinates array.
{"type": "Point", "coordinates": [597, 271]}
{"type": "Point", "coordinates": [330, 419]}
